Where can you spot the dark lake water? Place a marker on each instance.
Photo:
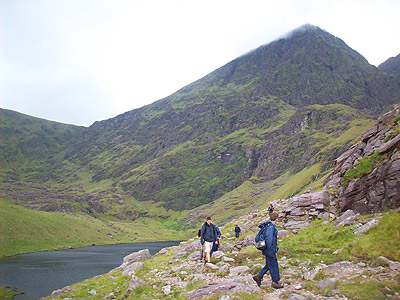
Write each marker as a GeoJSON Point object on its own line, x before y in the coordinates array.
{"type": "Point", "coordinates": [38, 274]}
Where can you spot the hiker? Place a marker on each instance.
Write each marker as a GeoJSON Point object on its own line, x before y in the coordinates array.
{"type": "Point", "coordinates": [237, 230]}
{"type": "Point", "coordinates": [202, 254]}
{"type": "Point", "coordinates": [217, 240]}
{"type": "Point", "coordinates": [270, 209]}
{"type": "Point", "coordinates": [207, 237]}
{"type": "Point", "coordinates": [271, 262]}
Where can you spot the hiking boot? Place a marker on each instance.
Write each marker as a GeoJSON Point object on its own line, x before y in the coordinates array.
{"type": "Point", "coordinates": [276, 285]}
{"type": "Point", "coordinates": [257, 278]}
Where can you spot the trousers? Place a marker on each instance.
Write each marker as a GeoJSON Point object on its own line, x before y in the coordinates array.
{"type": "Point", "coordinates": [271, 264]}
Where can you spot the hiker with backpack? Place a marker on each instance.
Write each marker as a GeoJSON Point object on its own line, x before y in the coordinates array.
{"type": "Point", "coordinates": [202, 254]}
{"type": "Point", "coordinates": [217, 240]}
{"type": "Point", "coordinates": [207, 237]}
{"type": "Point", "coordinates": [267, 241]}
{"type": "Point", "coordinates": [237, 231]}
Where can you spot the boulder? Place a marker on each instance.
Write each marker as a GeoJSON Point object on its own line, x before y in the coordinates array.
{"type": "Point", "coordinates": [226, 287]}
{"type": "Point", "coordinates": [134, 283]}
{"type": "Point", "coordinates": [347, 218]}
{"type": "Point", "coordinates": [296, 297]}
{"type": "Point", "coordinates": [194, 256]}
{"type": "Point", "coordinates": [134, 257]}
{"type": "Point", "coordinates": [364, 228]}
{"type": "Point", "coordinates": [62, 291]}
{"type": "Point", "coordinates": [310, 275]}
{"type": "Point", "coordinates": [297, 224]}
{"type": "Point", "coordinates": [384, 262]}
{"type": "Point", "coordinates": [323, 284]}
{"type": "Point", "coordinates": [241, 270]}
{"type": "Point", "coordinates": [343, 268]}
{"type": "Point", "coordinates": [179, 255]}
{"type": "Point", "coordinates": [218, 254]}
{"type": "Point", "coordinates": [283, 233]}
{"type": "Point", "coordinates": [347, 214]}
{"type": "Point", "coordinates": [130, 270]}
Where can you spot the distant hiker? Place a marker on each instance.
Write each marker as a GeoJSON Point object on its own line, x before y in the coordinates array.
{"type": "Point", "coordinates": [237, 230]}
{"type": "Point", "coordinates": [270, 209]}
{"type": "Point", "coordinates": [202, 253]}
{"type": "Point", "coordinates": [207, 237]}
{"type": "Point", "coordinates": [271, 262]}
{"type": "Point", "coordinates": [217, 240]}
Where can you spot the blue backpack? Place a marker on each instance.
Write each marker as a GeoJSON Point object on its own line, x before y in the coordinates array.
{"type": "Point", "coordinates": [259, 240]}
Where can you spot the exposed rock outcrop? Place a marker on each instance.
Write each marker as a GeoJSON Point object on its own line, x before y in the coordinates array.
{"type": "Point", "coordinates": [379, 188]}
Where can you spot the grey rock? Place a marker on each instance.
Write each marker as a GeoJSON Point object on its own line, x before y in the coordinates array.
{"type": "Point", "coordinates": [134, 283]}
{"type": "Point", "coordinates": [179, 255]}
{"type": "Point", "coordinates": [218, 254]}
{"type": "Point", "coordinates": [343, 268]}
{"type": "Point", "coordinates": [194, 256]}
{"type": "Point", "coordinates": [347, 214]}
{"type": "Point", "coordinates": [62, 291]}
{"type": "Point", "coordinates": [385, 262]}
{"type": "Point", "coordinates": [283, 233]}
{"type": "Point", "coordinates": [109, 296]}
{"type": "Point", "coordinates": [163, 251]}
{"type": "Point", "coordinates": [191, 247]}
{"type": "Point", "coordinates": [296, 297]}
{"type": "Point", "coordinates": [211, 266]}
{"type": "Point", "coordinates": [227, 259]}
{"type": "Point", "coordinates": [198, 277]}
{"type": "Point", "coordinates": [242, 270]}
{"type": "Point", "coordinates": [364, 228]}
{"type": "Point", "coordinates": [389, 144]}
{"type": "Point", "coordinates": [135, 257]}
{"type": "Point", "coordinates": [130, 270]}
{"type": "Point", "coordinates": [167, 289]}
{"type": "Point", "coordinates": [297, 224]}
{"type": "Point", "coordinates": [323, 284]}
{"type": "Point", "coordinates": [224, 288]}
{"type": "Point", "coordinates": [310, 275]}
{"type": "Point", "coordinates": [92, 292]}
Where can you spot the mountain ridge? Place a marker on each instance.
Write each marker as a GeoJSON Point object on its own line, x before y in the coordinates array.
{"type": "Point", "coordinates": [263, 117]}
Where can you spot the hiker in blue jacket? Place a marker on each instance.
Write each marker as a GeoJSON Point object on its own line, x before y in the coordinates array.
{"type": "Point", "coordinates": [217, 240]}
{"type": "Point", "coordinates": [271, 262]}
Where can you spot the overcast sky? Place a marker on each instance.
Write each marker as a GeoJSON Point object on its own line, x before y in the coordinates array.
{"type": "Point", "coordinates": [81, 61]}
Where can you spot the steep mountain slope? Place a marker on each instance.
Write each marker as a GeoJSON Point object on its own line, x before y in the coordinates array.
{"type": "Point", "coordinates": [287, 107]}
{"type": "Point", "coordinates": [29, 146]}
{"type": "Point", "coordinates": [391, 66]}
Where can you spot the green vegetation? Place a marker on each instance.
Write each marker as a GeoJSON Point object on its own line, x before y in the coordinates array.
{"type": "Point", "coordinates": [7, 294]}
{"type": "Point", "coordinates": [24, 230]}
{"type": "Point", "coordinates": [371, 290]}
{"type": "Point", "coordinates": [318, 242]}
{"type": "Point", "coordinates": [363, 167]}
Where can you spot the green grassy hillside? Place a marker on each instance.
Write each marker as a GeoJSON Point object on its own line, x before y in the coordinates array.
{"type": "Point", "coordinates": [25, 230]}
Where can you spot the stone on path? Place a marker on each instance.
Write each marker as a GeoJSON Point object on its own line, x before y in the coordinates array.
{"type": "Point", "coordinates": [222, 288]}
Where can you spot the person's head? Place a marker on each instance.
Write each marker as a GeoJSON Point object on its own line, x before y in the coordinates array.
{"type": "Point", "coordinates": [208, 220]}
{"type": "Point", "coordinates": [273, 216]}
{"type": "Point", "coordinates": [236, 225]}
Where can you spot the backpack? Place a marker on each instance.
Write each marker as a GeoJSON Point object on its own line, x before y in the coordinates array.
{"type": "Point", "coordinates": [259, 241]}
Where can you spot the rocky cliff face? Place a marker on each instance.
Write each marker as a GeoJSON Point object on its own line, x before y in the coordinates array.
{"type": "Point", "coordinates": [365, 179]}
{"type": "Point", "coordinates": [367, 176]}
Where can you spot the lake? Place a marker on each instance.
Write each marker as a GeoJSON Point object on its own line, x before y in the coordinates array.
{"type": "Point", "coordinates": [39, 274]}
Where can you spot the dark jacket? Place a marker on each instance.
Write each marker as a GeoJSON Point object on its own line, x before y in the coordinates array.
{"type": "Point", "coordinates": [217, 232]}
{"type": "Point", "coordinates": [271, 238]}
{"type": "Point", "coordinates": [208, 233]}
{"type": "Point", "coordinates": [237, 229]}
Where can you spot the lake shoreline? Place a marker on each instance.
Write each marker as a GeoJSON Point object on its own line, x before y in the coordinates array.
{"type": "Point", "coordinates": [64, 248]}
{"type": "Point", "coordinates": [26, 272]}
